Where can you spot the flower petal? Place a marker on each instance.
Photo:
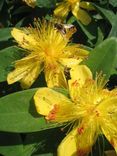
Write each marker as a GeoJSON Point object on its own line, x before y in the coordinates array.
{"type": "Point", "coordinates": [81, 14]}
{"type": "Point", "coordinates": [31, 76]}
{"type": "Point", "coordinates": [109, 129]}
{"type": "Point", "coordinates": [76, 51]}
{"type": "Point", "coordinates": [25, 39]}
{"type": "Point", "coordinates": [87, 135]}
{"type": "Point", "coordinates": [62, 10]}
{"type": "Point", "coordinates": [26, 69]}
{"type": "Point", "coordinates": [79, 74]}
{"type": "Point", "coordinates": [54, 75]}
{"type": "Point", "coordinates": [46, 99]}
{"type": "Point", "coordinates": [69, 62]}
{"type": "Point", "coordinates": [68, 146]}
{"type": "Point", "coordinates": [80, 140]}
{"type": "Point", "coordinates": [108, 122]}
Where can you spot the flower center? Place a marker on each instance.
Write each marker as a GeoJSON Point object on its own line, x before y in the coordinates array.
{"type": "Point", "coordinates": [93, 111]}
{"type": "Point", "coordinates": [49, 51]}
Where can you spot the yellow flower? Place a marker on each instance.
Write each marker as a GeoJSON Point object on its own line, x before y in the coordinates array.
{"type": "Point", "coordinates": [31, 3]}
{"type": "Point", "coordinates": [91, 110]}
{"type": "Point", "coordinates": [47, 50]}
{"type": "Point", "coordinates": [77, 7]}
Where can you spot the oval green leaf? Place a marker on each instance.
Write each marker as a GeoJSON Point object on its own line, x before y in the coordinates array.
{"type": "Point", "coordinates": [104, 58]}
{"type": "Point", "coordinates": [18, 113]}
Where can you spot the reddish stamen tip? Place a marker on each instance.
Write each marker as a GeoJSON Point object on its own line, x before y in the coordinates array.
{"type": "Point", "coordinates": [80, 130]}
{"type": "Point", "coordinates": [52, 113]}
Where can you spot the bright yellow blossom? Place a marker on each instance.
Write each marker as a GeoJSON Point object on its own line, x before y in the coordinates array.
{"type": "Point", "coordinates": [77, 7]}
{"type": "Point", "coordinates": [31, 3]}
{"type": "Point", "coordinates": [91, 110]}
{"type": "Point", "coordinates": [48, 50]}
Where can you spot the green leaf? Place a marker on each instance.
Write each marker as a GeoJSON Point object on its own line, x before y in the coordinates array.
{"type": "Point", "coordinates": [113, 32]}
{"type": "Point", "coordinates": [113, 3]}
{"type": "Point", "coordinates": [111, 17]}
{"type": "Point", "coordinates": [100, 37]}
{"type": "Point", "coordinates": [11, 144]}
{"type": "Point", "coordinates": [18, 113]}
{"type": "Point", "coordinates": [5, 34]}
{"type": "Point", "coordinates": [104, 58]}
{"type": "Point", "coordinates": [46, 3]}
{"type": "Point", "coordinates": [90, 31]}
{"type": "Point", "coordinates": [7, 57]}
{"type": "Point", "coordinates": [108, 14]}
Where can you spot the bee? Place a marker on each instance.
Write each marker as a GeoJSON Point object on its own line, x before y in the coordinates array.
{"type": "Point", "coordinates": [66, 30]}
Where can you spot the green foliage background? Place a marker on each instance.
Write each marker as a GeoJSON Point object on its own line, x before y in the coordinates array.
{"type": "Point", "coordinates": [22, 131]}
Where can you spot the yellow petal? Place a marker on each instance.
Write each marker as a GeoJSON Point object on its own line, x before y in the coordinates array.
{"type": "Point", "coordinates": [81, 15]}
{"type": "Point", "coordinates": [86, 5]}
{"type": "Point", "coordinates": [79, 74]}
{"type": "Point", "coordinates": [46, 99]}
{"type": "Point", "coordinates": [62, 10]}
{"type": "Point", "coordinates": [76, 51]}
{"type": "Point", "coordinates": [55, 106]}
{"type": "Point", "coordinates": [109, 106]}
{"type": "Point", "coordinates": [24, 68]}
{"type": "Point", "coordinates": [108, 119]}
{"type": "Point", "coordinates": [68, 147]}
{"type": "Point", "coordinates": [25, 39]}
{"type": "Point", "coordinates": [54, 75]}
{"type": "Point", "coordinates": [80, 140]}
{"type": "Point", "coordinates": [69, 62]}
{"type": "Point", "coordinates": [31, 76]}
{"type": "Point", "coordinates": [87, 135]}
{"type": "Point", "coordinates": [109, 129]}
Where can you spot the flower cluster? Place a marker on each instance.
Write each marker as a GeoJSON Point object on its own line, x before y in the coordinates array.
{"type": "Point", "coordinates": [90, 109]}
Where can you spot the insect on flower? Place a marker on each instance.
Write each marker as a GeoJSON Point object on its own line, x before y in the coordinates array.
{"type": "Point", "coordinates": [48, 51]}
{"type": "Point", "coordinates": [64, 28]}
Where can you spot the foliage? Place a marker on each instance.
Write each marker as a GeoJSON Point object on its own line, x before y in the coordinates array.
{"type": "Point", "coordinates": [23, 132]}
